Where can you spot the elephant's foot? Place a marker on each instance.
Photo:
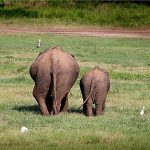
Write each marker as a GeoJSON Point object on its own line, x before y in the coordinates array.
{"type": "Point", "coordinates": [99, 113]}
{"type": "Point", "coordinates": [55, 112]}
{"type": "Point", "coordinates": [89, 114]}
{"type": "Point", "coordinates": [45, 113]}
{"type": "Point", "coordinates": [44, 110]}
{"type": "Point", "coordinates": [99, 110]}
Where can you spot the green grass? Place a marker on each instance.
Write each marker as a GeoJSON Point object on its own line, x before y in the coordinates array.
{"type": "Point", "coordinates": [83, 13]}
{"type": "Point", "coordinates": [121, 127]}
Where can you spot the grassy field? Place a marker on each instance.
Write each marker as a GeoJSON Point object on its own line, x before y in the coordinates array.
{"type": "Point", "coordinates": [71, 12]}
{"type": "Point", "coordinates": [121, 127]}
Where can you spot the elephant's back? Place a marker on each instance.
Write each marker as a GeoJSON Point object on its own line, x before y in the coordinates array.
{"type": "Point", "coordinates": [102, 80]}
{"type": "Point", "coordinates": [95, 76]}
{"type": "Point", "coordinates": [67, 63]}
{"type": "Point", "coordinates": [64, 59]}
{"type": "Point", "coordinates": [101, 74]}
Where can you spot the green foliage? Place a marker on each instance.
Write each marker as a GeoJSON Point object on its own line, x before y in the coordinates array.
{"type": "Point", "coordinates": [129, 76]}
{"type": "Point", "coordinates": [76, 12]}
{"type": "Point", "coordinates": [121, 126]}
{"type": "Point", "coordinates": [18, 12]}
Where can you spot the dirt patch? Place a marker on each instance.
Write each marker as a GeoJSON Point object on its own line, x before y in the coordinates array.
{"type": "Point", "coordinates": [78, 31]}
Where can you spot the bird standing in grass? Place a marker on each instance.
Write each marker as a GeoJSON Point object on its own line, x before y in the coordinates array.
{"type": "Point", "coordinates": [142, 111]}
{"type": "Point", "coordinates": [24, 129]}
{"type": "Point", "coordinates": [39, 43]}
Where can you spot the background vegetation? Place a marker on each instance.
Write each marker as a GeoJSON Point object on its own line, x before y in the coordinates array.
{"type": "Point", "coordinates": [121, 127]}
{"type": "Point", "coordinates": [75, 12]}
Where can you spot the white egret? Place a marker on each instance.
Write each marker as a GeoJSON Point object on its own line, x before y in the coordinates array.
{"type": "Point", "coordinates": [142, 111]}
{"type": "Point", "coordinates": [24, 129]}
{"type": "Point", "coordinates": [39, 43]}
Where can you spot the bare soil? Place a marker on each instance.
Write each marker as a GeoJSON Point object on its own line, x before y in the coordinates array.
{"type": "Point", "coordinates": [77, 31]}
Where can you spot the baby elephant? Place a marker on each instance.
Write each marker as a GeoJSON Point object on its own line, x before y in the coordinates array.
{"type": "Point", "coordinates": [94, 87]}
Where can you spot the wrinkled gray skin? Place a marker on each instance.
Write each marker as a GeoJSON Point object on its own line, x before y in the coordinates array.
{"type": "Point", "coordinates": [54, 72]}
{"type": "Point", "coordinates": [94, 87]}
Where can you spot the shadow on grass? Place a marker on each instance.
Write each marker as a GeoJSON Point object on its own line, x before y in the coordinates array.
{"type": "Point", "coordinates": [35, 109]}
{"type": "Point", "coordinates": [27, 108]}
{"type": "Point", "coordinates": [75, 110]}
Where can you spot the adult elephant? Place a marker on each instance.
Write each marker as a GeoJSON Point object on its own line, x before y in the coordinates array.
{"type": "Point", "coordinates": [54, 72]}
{"type": "Point", "coordinates": [94, 87]}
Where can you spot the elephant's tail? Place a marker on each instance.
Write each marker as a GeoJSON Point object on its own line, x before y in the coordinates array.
{"type": "Point", "coordinates": [54, 74]}
{"type": "Point", "coordinates": [90, 93]}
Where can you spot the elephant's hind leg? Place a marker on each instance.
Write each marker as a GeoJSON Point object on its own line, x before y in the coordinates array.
{"type": "Point", "coordinates": [64, 104]}
{"type": "Point", "coordinates": [40, 92]}
{"type": "Point", "coordinates": [100, 105]}
{"type": "Point", "coordinates": [103, 106]}
{"type": "Point", "coordinates": [98, 109]}
{"type": "Point", "coordinates": [49, 103]}
{"type": "Point", "coordinates": [88, 107]}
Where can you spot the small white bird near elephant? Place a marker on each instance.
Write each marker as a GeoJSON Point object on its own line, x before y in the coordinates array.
{"type": "Point", "coordinates": [142, 111]}
{"type": "Point", "coordinates": [39, 43]}
{"type": "Point", "coordinates": [24, 129]}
